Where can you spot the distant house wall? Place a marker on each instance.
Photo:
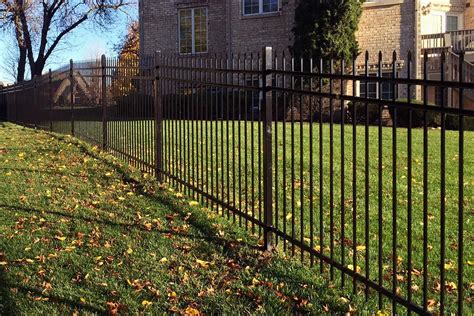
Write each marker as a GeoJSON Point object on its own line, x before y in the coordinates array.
{"type": "Point", "coordinates": [251, 33]}
{"type": "Point", "coordinates": [229, 31]}
{"type": "Point", "coordinates": [388, 26]}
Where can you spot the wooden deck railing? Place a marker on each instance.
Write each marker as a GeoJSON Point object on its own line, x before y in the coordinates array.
{"type": "Point", "coordinates": [462, 40]}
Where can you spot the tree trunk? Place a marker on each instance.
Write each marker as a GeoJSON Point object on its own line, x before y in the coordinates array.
{"type": "Point", "coordinates": [20, 76]}
{"type": "Point", "coordinates": [38, 67]}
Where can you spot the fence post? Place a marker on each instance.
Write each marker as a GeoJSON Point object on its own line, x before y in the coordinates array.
{"type": "Point", "coordinates": [71, 79]}
{"type": "Point", "coordinates": [50, 99]}
{"type": "Point", "coordinates": [267, 101]}
{"type": "Point", "coordinates": [158, 119]}
{"type": "Point", "coordinates": [103, 62]}
{"type": "Point", "coordinates": [35, 103]}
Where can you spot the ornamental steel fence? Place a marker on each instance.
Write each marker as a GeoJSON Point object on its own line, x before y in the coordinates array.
{"type": "Point", "coordinates": [358, 168]}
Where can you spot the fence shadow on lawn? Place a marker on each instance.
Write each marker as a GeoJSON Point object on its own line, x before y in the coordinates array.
{"type": "Point", "coordinates": [7, 307]}
{"type": "Point", "coordinates": [238, 251]}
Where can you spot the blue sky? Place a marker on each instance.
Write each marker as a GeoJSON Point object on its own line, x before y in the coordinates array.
{"type": "Point", "coordinates": [84, 43]}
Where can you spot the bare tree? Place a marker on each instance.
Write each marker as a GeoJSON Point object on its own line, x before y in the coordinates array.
{"type": "Point", "coordinates": [40, 26]}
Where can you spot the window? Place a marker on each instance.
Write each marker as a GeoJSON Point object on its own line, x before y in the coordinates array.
{"type": "Point", "coordinates": [440, 96]}
{"type": "Point", "coordinates": [253, 97]}
{"type": "Point", "coordinates": [193, 31]}
{"type": "Point", "coordinates": [386, 88]}
{"type": "Point", "coordinates": [451, 23]}
{"type": "Point", "coordinates": [260, 6]}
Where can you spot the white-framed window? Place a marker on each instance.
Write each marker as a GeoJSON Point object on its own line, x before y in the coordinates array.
{"type": "Point", "coordinates": [452, 23]}
{"type": "Point", "coordinates": [385, 92]}
{"type": "Point", "coordinates": [192, 31]}
{"type": "Point", "coordinates": [253, 7]}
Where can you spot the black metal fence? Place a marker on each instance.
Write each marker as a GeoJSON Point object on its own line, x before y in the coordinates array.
{"type": "Point", "coordinates": [359, 169]}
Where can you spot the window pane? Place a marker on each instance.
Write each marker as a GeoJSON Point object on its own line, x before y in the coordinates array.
{"type": "Point", "coordinates": [387, 92]}
{"type": "Point", "coordinates": [200, 30]}
{"type": "Point", "coordinates": [371, 86]}
{"type": "Point", "coordinates": [451, 23]}
{"type": "Point", "coordinates": [270, 6]}
{"type": "Point", "coordinates": [185, 32]}
{"type": "Point", "coordinates": [251, 6]}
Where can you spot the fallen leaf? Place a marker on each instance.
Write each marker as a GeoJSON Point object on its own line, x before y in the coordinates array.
{"type": "Point", "coordinates": [202, 263]}
{"type": "Point", "coordinates": [146, 303]}
{"type": "Point", "coordinates": [360, 248]}
{"type": "Point", "coordinates": [351, 267]}
{"type": "Point", "coordinates": [191, 311]}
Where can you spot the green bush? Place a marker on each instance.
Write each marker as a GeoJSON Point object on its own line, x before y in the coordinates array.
{"type": "Point", "coordinates": [452, 122]}
{"type": "Point", "coordinates": [433, 119]}
{"type": "Point", "coordinates": [360, 108]}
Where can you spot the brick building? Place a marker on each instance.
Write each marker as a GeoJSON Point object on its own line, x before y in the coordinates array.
{"type": "Point", "coordinates": [235, 26]}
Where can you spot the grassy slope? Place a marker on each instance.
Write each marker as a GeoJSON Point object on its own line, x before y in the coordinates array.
{"type": "Point", "coordinates": [179, 160]}
{"type": "Point", "coordinates": [77, 233]}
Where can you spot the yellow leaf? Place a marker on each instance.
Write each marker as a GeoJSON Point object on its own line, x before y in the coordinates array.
{"type": "Point", "coordinates": [382, 313]}
{"type": "Point", "coordinates": [146, 303]}
{"type": "Point", "coordinates": [202, 263]}
{"type": "Point", "coordinates": [121, 198]}
{"type": "Point", "coordinates": [344, 300]}
{"type": "Point", "coordinates": [470, 263]}
{"type": "Point", "coordinates": [3, 263]}
{"type": "Point", "coordinates": [163, 260]}
{"type": "Point", "coordinates": [179, 195]}
{"type": "Point", "coordinates": [351, 267]}
{"type": "Point", "coordinates": [399, 260]}
{"type": "Point", "coordinates": [70, 248]}
{"type": "Point", "coordinates": [29, 260]}
{"type": "Point", "coordinates": [172, 294]}
{"type": "Point", "coordinates": [255, 282]}
{"type": "Point", "coordinates": [60, 238]}
{"type": "Point", "coordinates": [289, 216]}
{"type": "Point", "coordinates": [191, 311]}
{"type": "Point", "coordinates": [360, 248]}
{"type": "Point", "coordinates": [448, 266]}
{"type": "Point", "coordinates": [193, 203]}
{"type": "Point", "coordinates": [98, 258]}
{"type": "Point", "coordinates": [108, 174]}
{"type": "Point", "coordinates": [83, 300]}
{"type": "Point", "coordinates": [129, 251]}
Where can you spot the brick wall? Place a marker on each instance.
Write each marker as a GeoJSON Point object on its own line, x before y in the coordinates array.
{"type": "Point", "coordinates": [159, 24]}
{"type": "Point", "coordinates": [228, 30]}
{"type": "Point", "coordinates": [469, 15]}
{"type": "Point", "coordinates": [387, 28]}
{"type": "Point", "coordinates": [251, 33]}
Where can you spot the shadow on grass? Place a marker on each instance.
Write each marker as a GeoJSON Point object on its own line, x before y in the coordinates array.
{"type": "Point", "coordinates": [10, 308]}
{"type": "Point", "coordinates": [7, 307]}
{"type": "Point", "coordinates": [271, 267]}
{"type": "Point", "coordinates": [126, 226]}
{"type": "Point", "coordinates": [231, 249]}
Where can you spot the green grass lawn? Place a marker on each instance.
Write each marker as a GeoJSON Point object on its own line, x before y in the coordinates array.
{"type": "Point", "coordinates": [81, 232]}
{"type": "Point", "coordinates": [220, 157]}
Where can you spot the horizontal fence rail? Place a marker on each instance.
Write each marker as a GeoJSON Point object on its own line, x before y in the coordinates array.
{"type": "Point", "coordinates": [359, 168]}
